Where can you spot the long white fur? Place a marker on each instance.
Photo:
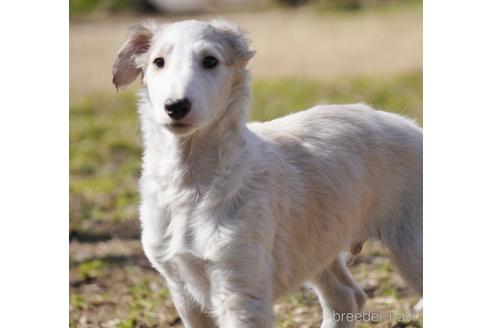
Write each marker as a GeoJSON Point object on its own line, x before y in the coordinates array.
{"type": "Point", "coordinates": [235, 215]}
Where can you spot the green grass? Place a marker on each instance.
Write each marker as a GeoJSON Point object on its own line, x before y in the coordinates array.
{"type": "Point", "coordinates": [401, 94]}
{"type": "Point", "coordinates": [83, 7]}
{"type": "Point", "coordinates": [78, 301]}
{"type": "Point", "coordinates": [143, 305]}
{"type": "Point", "coordinates": [357, 6]}
{"type": "Point", "coordinates": [105, 144]}
{"type": "Point", "coordinates": [91, 269]}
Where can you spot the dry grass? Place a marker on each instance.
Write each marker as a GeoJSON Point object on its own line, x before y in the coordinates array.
{"type": "Point", "coordinates": [290, 43]}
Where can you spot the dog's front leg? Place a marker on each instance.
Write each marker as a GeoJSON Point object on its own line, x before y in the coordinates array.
{"type": "Point", "coordinates": [190, 313]}
{"type": "Point", "coordinates": [242, 294]}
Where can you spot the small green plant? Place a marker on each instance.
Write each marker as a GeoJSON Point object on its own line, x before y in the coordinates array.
{"type": "Point", "coordinates": [91, 269]}
{"type": "Point", "coordinates": [78, 301]}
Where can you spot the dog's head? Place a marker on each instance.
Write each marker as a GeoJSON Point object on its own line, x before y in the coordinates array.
{"type": "Point", "coordinates": [190, 70]}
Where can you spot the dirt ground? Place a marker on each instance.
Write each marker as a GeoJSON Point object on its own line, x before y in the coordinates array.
{"type": "Point", "coordinates": [112, 285]}
{"type": "Point", "coordinates": [287, 44]}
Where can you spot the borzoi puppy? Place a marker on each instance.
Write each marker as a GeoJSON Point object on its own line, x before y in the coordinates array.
{"type": "Point", "coordinates": [235, 215]}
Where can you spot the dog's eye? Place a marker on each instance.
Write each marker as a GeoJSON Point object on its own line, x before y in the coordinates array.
{"type": "Point", "coordinates": [159, 62]}
{"type": "Point", "coordinates": [209, 62]}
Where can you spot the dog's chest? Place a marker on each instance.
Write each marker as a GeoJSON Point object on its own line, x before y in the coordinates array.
{"type": "Point", "coordinates": [183, 238]}
{"type": "Point", "coordinates": [173, 233]}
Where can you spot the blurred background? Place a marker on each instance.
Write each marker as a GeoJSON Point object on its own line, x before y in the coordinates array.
{"type": "Point", "coordinates": [308, 52]}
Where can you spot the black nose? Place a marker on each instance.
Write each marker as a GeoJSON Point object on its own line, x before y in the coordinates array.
{"type": "Point", "coordinates": [177, 109]}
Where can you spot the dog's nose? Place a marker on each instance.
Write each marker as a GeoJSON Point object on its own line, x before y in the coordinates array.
{"type": "Point", "coordinates": [177, 109]}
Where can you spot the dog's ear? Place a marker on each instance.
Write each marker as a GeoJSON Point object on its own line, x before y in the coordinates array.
{"type": "Point", "coordinates": [235, 39]}
{"type": "Point", "coordinates": [126, 67]}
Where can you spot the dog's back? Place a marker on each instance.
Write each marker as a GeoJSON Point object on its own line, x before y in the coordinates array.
{"type": "Point", "coordinates": [359, 166]}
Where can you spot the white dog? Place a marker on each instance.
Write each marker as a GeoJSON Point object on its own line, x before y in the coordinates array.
{"type": "Point", "coordinates": [236, 215]}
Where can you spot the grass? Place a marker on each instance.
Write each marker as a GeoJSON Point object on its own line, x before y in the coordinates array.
{"type": "Point", "coordinates": [132, 294]}
{"type": "Point", "coordinates": [401, 94]}
{"type": "Point", "coordinates": [84, 7]}
{"type": "Point", "coordinates": [91, 269]}
{"type": "Point", "coordinates": [105, 144]}
{"type": "Point", "coordinates": [357, 6]}
{"type": "Point", "coordinates": [119, 288]}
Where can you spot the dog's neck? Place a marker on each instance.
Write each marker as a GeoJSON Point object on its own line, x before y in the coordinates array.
{"type": "Point", "coordinates": [205, 158]}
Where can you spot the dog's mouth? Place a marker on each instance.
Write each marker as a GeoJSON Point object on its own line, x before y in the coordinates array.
{"type": "Point", "coordinates": [177, 125]}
